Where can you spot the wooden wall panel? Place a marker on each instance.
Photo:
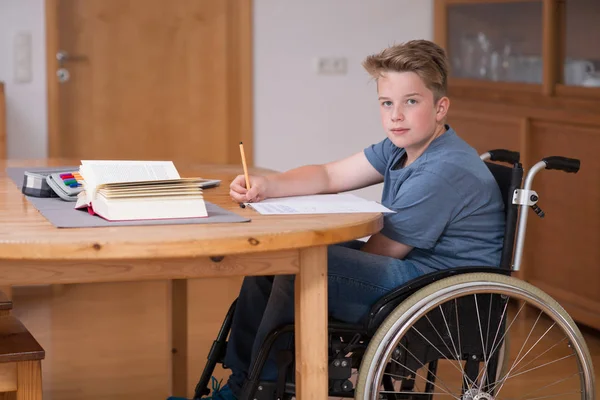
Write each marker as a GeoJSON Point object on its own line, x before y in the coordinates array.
{"type": "Point", "coordinates": [486, 132]}
{"type": "Point", "coordinates": [564, 247]}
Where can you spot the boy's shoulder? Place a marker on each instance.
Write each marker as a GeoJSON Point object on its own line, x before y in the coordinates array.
{"type": "Point", "coordinates": [454, 160]}
{"type": "Point", "coordinates": [449, 149]}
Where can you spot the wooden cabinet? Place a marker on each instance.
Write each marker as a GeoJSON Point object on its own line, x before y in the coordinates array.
{"type": "Point", "coordinates": [480, 45]}
{"type": "Point", "coordinates": [563, 248]}
{"type": "Point", "coordinates": [579, 34]}
{"type": "Point", "coordinates": [524, 77]}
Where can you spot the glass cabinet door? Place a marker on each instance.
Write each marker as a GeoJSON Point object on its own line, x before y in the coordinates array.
{"type": "Point", "coordinates": [582, 43]}
{"type": "Point", "coordinates": [499, 41]}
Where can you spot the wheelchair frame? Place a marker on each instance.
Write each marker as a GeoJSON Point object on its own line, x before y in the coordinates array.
{"type": "Point", "coordinates": [389, 309]}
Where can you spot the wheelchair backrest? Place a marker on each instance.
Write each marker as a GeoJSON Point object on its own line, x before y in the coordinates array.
{"type": "Point", "coordinates": [508, 179]}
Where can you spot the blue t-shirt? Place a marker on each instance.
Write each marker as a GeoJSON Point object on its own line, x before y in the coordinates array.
{"type": "Point", "coordinates": [447, 202]}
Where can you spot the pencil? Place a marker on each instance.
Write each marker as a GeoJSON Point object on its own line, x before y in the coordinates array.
{"type": "Point", "coordinates": [244, 165]}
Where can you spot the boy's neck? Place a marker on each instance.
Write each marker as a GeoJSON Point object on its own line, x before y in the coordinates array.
{"type": "Point", "coordinates": [413, 153]}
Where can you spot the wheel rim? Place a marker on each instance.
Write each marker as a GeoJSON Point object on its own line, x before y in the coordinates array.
{"type": "Point", "coordinates": [475, 390]}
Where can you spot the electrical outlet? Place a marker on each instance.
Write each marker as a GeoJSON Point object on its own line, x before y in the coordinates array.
{"type": "Point", "coordinates": [331, 65]}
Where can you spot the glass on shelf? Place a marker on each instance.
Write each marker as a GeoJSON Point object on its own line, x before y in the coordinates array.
{"type": "Point", "coordinates": [496, 41]}
{"type": "Point", "coordinates": [582, 33]}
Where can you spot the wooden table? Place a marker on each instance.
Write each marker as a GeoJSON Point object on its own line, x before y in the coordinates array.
{"type": "Point", "coordinates": [32, 251]}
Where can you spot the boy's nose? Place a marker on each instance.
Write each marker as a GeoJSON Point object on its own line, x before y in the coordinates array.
{"type": "Point", "coordinates": [397, 116]}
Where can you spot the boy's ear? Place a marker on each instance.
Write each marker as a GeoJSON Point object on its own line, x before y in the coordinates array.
{"type": "Point", "coordinates": [442, 108]}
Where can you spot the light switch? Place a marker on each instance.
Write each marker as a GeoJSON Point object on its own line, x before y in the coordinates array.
{"type": "Point", "coordinates": [331, 65]}
{"type": "Point", "coordinates": [22, 58]}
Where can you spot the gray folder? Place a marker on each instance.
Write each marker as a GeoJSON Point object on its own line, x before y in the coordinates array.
{"type": "Point", "coordinates": [62, 214]}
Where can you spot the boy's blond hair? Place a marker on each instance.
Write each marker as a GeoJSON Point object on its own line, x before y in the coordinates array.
{"type": "Point", "coordinates": [423, 57]}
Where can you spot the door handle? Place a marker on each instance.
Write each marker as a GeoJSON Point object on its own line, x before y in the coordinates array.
{"type": "Point", "coordinates": [62, 56]}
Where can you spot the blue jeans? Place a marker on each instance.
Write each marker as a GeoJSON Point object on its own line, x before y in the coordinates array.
{"type": "Point", "coordinates": [356, 280]}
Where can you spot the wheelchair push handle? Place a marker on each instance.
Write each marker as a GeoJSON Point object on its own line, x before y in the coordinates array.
{"type": "Point", "coordinates": [553, 162]}
{"type": "Point", "coordinates": [507, 156]}
{"type": "Point", "coordinates": [562, 163]}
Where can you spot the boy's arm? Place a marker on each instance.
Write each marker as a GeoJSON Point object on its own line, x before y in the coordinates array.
{"type": "Point", "coordinates": [350, 173]}
{"type": "Point", "coordinates": [424, 205]}
{"type": "Point", "coordinates": [384, 246]}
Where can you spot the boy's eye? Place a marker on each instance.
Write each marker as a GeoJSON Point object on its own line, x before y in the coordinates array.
{"type": "Point", "coordinates": [386, 103]}
{"type": "Point", "coordinates": [411, 101]}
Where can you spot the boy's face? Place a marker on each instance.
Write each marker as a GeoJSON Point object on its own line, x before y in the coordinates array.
{"type": "Point", "coordinates": [409, 115]}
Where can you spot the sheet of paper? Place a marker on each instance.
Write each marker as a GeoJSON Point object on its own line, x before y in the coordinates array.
{"type": "Point", "coordinates": [318, 204]}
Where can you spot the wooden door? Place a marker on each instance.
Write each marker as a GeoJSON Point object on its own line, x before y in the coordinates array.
{"type": "Point", "coordinates": [150, 79]}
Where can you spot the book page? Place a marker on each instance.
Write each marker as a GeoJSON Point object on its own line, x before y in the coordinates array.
{"type": "Point", "coordinates": [98, 172]}
{"type": "Point", "coordinates": [187, 182]}
{"type": "Point", "coordinates": [110, 194]}
{"type": "Point", "coordinates": [318, 204]}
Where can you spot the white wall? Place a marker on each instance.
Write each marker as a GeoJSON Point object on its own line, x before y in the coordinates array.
{"type": "Point", "coordinates": [300, 117]}
{"type": "Point", "coordinates": [26, 102]}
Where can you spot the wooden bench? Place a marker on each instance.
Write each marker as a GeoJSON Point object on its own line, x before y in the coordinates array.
{"type": "Point", "coordinates": [20, 357]}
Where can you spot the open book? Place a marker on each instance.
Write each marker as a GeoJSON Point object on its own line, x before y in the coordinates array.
{"type": "Point", "coordinates": [318, 204]}
{"type": "Point", "coordinates": [134, 190]}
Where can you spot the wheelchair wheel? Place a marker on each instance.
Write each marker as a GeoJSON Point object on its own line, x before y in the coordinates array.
{"type": "Point", "coordinates": [451, 340]}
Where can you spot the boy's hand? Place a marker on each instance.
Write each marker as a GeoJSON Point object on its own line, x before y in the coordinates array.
{"type": "Point", "coordinates": [257, 192]}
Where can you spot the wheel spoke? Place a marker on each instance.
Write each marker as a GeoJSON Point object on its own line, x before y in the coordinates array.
{"type": "Point", "coordinates": [457, 355]}
{"type": "Point", "coordinates": [540, 355]}
{"type": "Point", "coordinates": [445, 388]}
{"type": "Point", "coordinates": [517, 356]}
{"type": "Point", "coordinates": [549, 385]}
{"type": "Point", "coordinates": [460, 369]}
{"type": "Point", "coordinates": [503, 380]}
{"type": "Point", "coordinates": [494, 346]}
{"type": "Point", "coordinates": [422, 365]}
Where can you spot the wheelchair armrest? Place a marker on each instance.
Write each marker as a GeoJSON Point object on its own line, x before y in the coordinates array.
{"type": "Point", "coordinates": [385, 305]}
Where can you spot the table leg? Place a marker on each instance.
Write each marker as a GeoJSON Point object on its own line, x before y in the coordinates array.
{"type": "Point", "coordinates": [179, 331]}
{"type": "Point", "coordinates": [311, 324]}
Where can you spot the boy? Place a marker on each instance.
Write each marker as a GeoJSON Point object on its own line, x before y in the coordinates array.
{"type": "Point", "coordinates": [448, 208]}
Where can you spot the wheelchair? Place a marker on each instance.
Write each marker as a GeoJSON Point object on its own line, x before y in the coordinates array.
{"type": "Point", "coordinates": [464, 333]}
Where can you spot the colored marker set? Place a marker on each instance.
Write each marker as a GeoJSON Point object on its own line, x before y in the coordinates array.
{"type": "Point", "coordinates": [72, 180]}
{"type": "Point", "coordinates": [66, 184]}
